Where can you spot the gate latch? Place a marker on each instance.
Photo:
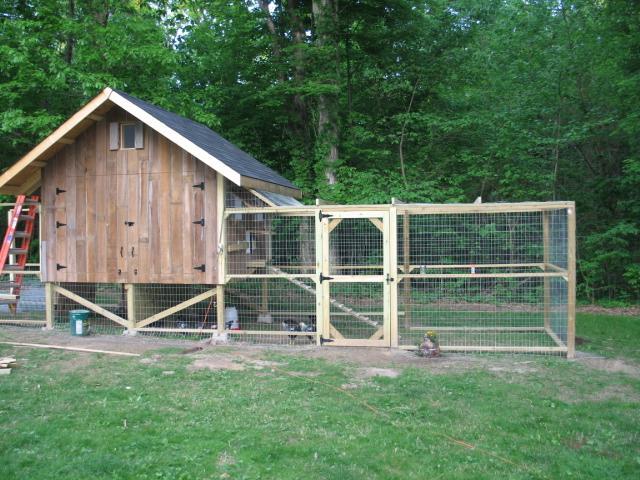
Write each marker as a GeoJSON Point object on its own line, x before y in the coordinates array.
{"type": "Point", "coordinates": [323, 215]}
{"type": "Point", "coordinates": [389, 278]}
{"type": "Point", "coordinates": [323, 278]}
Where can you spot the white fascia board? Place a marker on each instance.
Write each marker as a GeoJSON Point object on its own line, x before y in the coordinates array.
{"type": "Point", "coordinates": [176, 138]}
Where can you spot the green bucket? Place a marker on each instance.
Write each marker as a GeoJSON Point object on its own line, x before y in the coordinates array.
{"type": "Point", "coordinates": [79, 322]}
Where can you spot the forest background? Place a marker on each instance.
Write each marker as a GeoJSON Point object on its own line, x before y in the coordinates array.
{"type": "Point", "coordinates": [360, 101]}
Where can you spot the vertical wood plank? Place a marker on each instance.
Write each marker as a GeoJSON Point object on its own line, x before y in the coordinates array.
{"type": "Point", "coordinates": [180, 223]}
{"type": "Point", "coordinates": [571, 287]}
{"type": "Point", "coordinates": [49, 305]}
{"type": "Point", "coordinates": [546, 259]}
{"type": "Point", "coordinates": [219, 245]}
{"type": "Point", "coordinates": [211, 221]}
{"type": "Point", "coordinates": [122, 191]}
{"type": "Point", "coordinates": [393, 270]}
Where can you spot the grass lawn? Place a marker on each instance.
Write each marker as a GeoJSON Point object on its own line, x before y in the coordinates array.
{"type": "Point", "coordinates": [301, 413]}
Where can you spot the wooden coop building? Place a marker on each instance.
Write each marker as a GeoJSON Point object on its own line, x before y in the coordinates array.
{"type": "Point", "coordinates": [158, 225]}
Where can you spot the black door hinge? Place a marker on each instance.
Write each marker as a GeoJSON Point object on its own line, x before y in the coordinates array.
{"type": "Point", "coordinates": [323, 215]}
{"type": "Point", "coordinates": [60, 267]}
{"type": "Point", "coordinates": [199, 222]}
{"type": "Point", "coordinates": [60, 224]}
{"type": "Point", "coordinates": [323, 278]}
{"type": "Point", "coordinates": [129, 223]}
{"type": "Point", "coordinates": [325, 340]}
{"type": "Point", "coordinates": [199, 185]}
{"type": "Point", "coordinates": [59, 191]}
{"type": "Point", "coordinates": [200, 267]}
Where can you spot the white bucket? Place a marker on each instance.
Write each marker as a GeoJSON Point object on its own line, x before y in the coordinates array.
{"type": "Point", "coordinates": [231, 318]}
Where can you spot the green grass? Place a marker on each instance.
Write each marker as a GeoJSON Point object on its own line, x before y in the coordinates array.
{"type": "Point", "coordinates": [609, 335]}
{"type": "Point", "coordinates": [73, 416]}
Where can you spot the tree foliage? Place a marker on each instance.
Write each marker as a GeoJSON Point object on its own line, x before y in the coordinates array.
{"type": "Point", "coordinates": [429, 101]}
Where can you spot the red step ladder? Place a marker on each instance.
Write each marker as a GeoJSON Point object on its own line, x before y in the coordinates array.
{"type": "Point", "coordinates": [23, 214]}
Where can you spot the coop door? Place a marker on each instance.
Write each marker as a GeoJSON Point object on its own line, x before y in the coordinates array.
{"type": "Point", "coordinates": [356, 278]}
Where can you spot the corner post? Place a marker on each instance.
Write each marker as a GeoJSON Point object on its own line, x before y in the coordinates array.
{"type": "Point", "coordinates": [571, 287]}
{"type": "Point", "coordinates": [320, 323]}
{"type": "Point", "coordinates": [49, 290]}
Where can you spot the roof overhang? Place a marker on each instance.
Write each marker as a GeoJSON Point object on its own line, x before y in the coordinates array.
{"type": "Point", "coordinates": [24, 176]}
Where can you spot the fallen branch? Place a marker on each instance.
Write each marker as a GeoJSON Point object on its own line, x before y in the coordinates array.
{"type": "Point", "coordinates": [72, 349]}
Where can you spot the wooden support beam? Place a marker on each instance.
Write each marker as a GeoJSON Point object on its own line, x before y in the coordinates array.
{"type": "Point", "coordinates": [66, 141]}
{"type": "Point", "coordinates": [95, 117]}
{"type": "Point", "coordinates": [406, 256]}
{"type": "Point", "coordinates": [335, 333]}
{"type": "Point", "coordinates": [378, 335]}
{"type": "Point", "coordinates": [49, 305]}
{"type": "Point", "coordinates": [571, 287]}
{"type": "Point", "coordinates": [71, 349]}
{"type": "Point", "coordinates": [546, 253]}
{"type": "Point", "coordinates": [176, 308]}
{"type": "Point", "coordinates": [90, 305]}
{"type": "Point", "coordinates": [220, 308]}
{"type": "Point", "coordinates": [131, 305]}
{"type": "Point", "coordinates": [333, 223]}
{"type": "Point", "coordinates": [378, 223]}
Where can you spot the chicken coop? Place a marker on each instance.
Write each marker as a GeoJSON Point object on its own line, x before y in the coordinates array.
{"type": "Point", "coordinates": [157, 225]}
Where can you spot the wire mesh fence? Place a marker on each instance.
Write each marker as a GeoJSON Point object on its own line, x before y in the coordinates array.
{"type": "Point", "coordinates": [483, 279]}
{"type": "Point", "coordinates": [29, 308]}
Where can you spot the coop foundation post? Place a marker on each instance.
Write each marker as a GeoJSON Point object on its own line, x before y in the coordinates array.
{"type": "Point", "coordinates": [131, 306]}
{"type": "Point", "coordinates": [546, 260]}
{"type": "Point", "coordinates": [49, 305]}
{"type": "Point", "coordinates": [220, 308]}
{"type": "Point", "coordinates": [571, 287]}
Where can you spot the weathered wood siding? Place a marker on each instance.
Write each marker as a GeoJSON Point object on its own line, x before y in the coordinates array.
{"type": "Point", "coordinates": [107, 189]}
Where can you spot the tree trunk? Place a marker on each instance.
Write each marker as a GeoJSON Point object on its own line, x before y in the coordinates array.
{"type": "Point", "coordinates": [326, 19]}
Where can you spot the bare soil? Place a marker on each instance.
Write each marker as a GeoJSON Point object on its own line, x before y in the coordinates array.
{"type": "Point", "coordinates": [364, 362]}
{"type": "Point", "coordinates": [622, 311]}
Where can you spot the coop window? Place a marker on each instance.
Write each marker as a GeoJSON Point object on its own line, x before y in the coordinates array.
{"type": "Point", "coordinates": [126, 136]}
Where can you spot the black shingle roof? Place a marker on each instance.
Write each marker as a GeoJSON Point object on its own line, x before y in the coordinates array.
{"type": "Point", "coordinates": [212, 143]}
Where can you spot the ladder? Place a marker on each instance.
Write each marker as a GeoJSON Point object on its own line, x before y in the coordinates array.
{"type": "Point", "coordinates": [24, 214]}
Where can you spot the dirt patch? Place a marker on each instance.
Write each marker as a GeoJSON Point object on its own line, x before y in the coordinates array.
{"type": "Point", "coordinates": [73, 364]}
{"type": "Point", "coordinates": [215, 363]}
{"type": "Point", "coordinates": [377, 372]}
{"type": "Point", "coordinates": [610, 365]}
{"type": "Point", "coordinates": [623, 311]}
{"type": "Point", "coordinates": [117, 343]}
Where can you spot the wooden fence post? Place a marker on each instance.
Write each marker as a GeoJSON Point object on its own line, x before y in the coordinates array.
{"type": "Point", "coordinates": [571, 287]}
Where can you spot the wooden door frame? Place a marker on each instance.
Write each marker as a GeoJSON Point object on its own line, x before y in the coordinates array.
{"type": "Point", "coordinates": [324, 269]}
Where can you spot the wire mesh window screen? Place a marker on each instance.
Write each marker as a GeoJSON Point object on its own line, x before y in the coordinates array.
{"type": "Point", "coordinates": [238, 197]}
{"type": "Point", "coordinates": [356, 246]}
{"type": "Point", "coordinates": [270, 244]}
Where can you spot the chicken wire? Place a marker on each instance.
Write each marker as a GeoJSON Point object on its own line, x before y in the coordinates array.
{"type": "Point", "coordinates": [30, 308]}
{"type": "Point", "coordinates": [484, 281]}
{"type": "Point", "coordinates": [271, 310]}
{"type": "Point", "coordinates": [150, 301]}
{"type": "Point", "coordinates": [270, 244]}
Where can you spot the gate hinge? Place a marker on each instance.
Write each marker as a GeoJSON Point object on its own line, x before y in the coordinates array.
{"type": "Point", "coordinates": [129, 223]}
{"type": "Point", "coordinates": [323, 278]}
{"type": "Point", "coordinates": [60, 267]}
{"type": "Point", "coordinates": [60, 224]}
{"type": "Point", "coordinates": [325, 340]}
{"type": "Point", "coordinates": [200, 267]}
{"type": "Point", "coordinates": [323, 215]}
{"type": "Point", "coordinates": [199, 222]}
{"type": "Point", "coordinates": [59, 191]}
{"type": "Point", "coordinates": [199, 185]}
